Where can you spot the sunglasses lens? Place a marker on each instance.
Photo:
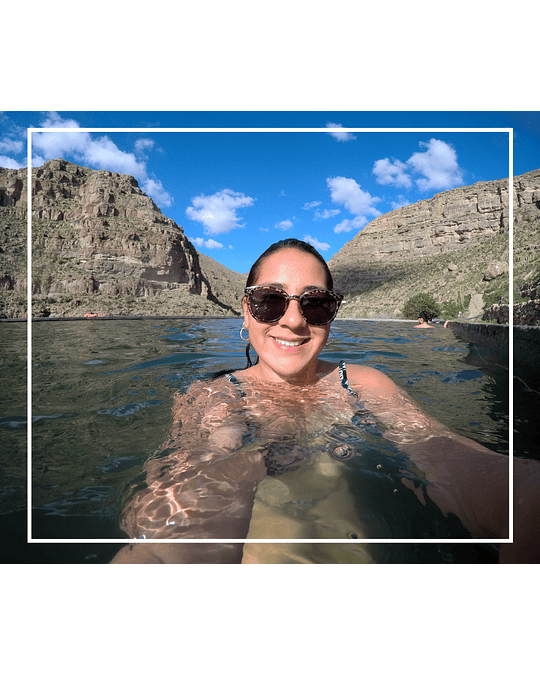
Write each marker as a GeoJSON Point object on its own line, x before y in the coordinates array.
{"type": "Point", "coordinates": [318, 308]}
{"type": "Point", "coordinates": [267, 305]}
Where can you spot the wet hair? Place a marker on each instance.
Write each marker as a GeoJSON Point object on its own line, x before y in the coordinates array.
{"type": "Point", "coordinates": [285, 244]}
{"type": "Point", "coordinates": [282, 245]}
{"type": "Point", "coordinates": [426, 316]}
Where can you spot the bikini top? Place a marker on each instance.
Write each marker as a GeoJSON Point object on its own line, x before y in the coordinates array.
{"type": "Point", "coordinates": [342, 377]}
{"type": "Point", "coordinates": [277, 461]}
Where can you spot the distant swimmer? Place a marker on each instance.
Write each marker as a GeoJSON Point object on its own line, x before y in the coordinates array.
{"type": "Point", "coordinates": [423, 320]}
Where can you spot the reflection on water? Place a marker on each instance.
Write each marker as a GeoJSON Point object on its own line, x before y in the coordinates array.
{"type": "Point", "coordinates": [102, 399]}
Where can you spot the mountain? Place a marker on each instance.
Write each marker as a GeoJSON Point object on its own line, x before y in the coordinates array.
{"type": "Point", "coordinates": [454, 246]}
{"type": "Point", "coordinates": [100, 245]}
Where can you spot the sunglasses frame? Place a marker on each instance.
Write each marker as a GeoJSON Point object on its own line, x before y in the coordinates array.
{"type": "Point", "coordinates": [248, 292]}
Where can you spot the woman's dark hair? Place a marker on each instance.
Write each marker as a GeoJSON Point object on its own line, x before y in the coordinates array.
{"type": "Point", "coordinates": [284, 244]}
{"type": "Point", "coordinates": [426, 316]}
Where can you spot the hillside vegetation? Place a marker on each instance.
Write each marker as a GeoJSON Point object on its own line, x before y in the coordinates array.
{"type": "Point", "coordinates": [451, 278]}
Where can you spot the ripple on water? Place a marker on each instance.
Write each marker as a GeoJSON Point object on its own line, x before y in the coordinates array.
{"type": "Point", "coordinates": [92, 434]}
{"type": "Point", "coordinates": [129, 408]}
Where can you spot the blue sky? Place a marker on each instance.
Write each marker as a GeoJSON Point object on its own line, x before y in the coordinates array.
{"type": "Point", "coordinates": [234, 193]}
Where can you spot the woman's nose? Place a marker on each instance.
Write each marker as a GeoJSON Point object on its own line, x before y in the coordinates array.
{"type": "Point", "coordinates": [293, 316]}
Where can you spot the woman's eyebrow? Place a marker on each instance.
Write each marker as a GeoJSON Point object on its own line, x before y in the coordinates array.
{"type": "Point", "coordinates": [313, 288]}
{"type": "Point", "coordinates": [277, 284]}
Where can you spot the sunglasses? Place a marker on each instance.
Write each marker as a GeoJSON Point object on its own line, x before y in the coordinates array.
{"type": "Point", "coordinates": [268, 304]}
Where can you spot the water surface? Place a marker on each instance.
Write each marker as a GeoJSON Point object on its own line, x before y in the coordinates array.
{"type": "Point", "coordinates": [102, 398]}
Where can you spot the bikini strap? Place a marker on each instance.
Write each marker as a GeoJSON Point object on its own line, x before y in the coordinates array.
{"type": "Point", "coordinates": [344, 380]}
{"type": "Point", "coordinates": [232, 378]}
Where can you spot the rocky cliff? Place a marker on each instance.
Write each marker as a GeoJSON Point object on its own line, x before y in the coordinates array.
{"type": "Point", "coordinates": [447, 222]}
{"type": "Point", "coordinates": [99, 244]}
{"type": "Point", "coordinates": [454, 246]}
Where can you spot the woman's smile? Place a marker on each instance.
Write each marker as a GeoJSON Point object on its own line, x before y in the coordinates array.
{"type": "Point", "coordinates": [289, 344]}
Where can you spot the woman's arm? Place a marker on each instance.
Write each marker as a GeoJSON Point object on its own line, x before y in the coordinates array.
{"type": "Point", "coordinates": [179, 553]}
{"type": "Point", "coordinates": [213, 502]}
{"type": "Point", "coordinates": [204, 489]}
{"type": "Point", "coordinates": [526, 538]}
{"type": "Point", "coordinates": [464, 477]}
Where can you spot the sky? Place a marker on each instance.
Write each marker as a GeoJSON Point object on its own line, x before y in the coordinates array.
{"type": "Point", "coordinates": [234, 193]}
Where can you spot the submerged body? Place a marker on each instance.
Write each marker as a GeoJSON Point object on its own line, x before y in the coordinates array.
{"type": "Point", "coordinates": [273, 439]}
{"type": "Point", "coordinates": [254, 460]}
{"type": "Point", "coordinates": [258, 455]}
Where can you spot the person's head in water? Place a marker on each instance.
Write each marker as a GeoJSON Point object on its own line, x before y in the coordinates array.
{"type": "Point", "coordinates": [423, 320]}
{"type": "Point", "coordinates": [288, 305]}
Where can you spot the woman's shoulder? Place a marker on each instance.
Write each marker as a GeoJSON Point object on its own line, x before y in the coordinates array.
{"type": "Point", "coordinates": [367, 377]}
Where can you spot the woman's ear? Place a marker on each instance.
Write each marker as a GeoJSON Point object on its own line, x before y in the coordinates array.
{"type": "Point", "coordinates": [247, 315]}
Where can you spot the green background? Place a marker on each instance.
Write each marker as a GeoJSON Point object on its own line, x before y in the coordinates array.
{"type": "Point", "coordinates": [268, 56]}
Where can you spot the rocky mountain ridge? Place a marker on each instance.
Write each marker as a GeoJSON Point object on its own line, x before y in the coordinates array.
{"type": "Point", "coordinates": [99, 244]}
{"type": "Point", "coordinates": [454, 246]}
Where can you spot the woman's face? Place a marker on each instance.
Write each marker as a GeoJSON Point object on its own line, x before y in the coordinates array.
{"type": "Point", "coordinates": [288, 349]}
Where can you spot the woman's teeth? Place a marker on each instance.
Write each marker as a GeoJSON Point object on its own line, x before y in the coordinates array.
{"type": "Point", "coordinates": [287, 343]}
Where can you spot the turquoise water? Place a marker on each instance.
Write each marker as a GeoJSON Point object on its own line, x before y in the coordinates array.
{"type": "Point", "coordinates": [102, 397]}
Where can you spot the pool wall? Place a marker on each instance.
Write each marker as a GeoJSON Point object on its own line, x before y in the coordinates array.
{"type": "Point", "coordinates": [492, 341]}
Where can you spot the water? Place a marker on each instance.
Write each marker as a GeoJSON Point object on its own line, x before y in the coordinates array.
{"type": "Point", "coordinates": [102, 397]}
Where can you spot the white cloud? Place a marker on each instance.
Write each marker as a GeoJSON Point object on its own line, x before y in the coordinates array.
{"type": "Point", "coordinates": [9, 163]}
{"type": "Point", "coordinates": [326, 214]}
{"type": "Point", "coordinates": [209, 243]}
{"type": "Point", "coordinates": [53, 145]}
{"type": "Point", "coordinates": [142, 145]}
{"type": "Point", "coordinates": [155, 190]}
{"type": "Point", "coordinates": [284, 225]}
{"type": "Point", "coordinates": [360, 203]}
{"type": "Point", "coordinates": [401, 201]}
{"type": "Point", "coordinates": [357, 223]}
{"type": "Point", "coordinates": [37, 160]}
{"type": "Point", "coordinates": [391, 173]}
{"type": "Point", "coordinates": [264, 229]}
{"type": "Point", "coordinates": [217, 212]}
{"type": "Point", "coordinates": [311, 205]}
{"type": "Point", "coordinates": [103, 153]}
{"type": "Point", "coordinates": [96, 153]}
{"type": "Point", "coordinates": [316, 243]}
{"type": "Point", "coordinates": [342, 136]}
{"type": "Point", "coordinates": [439, 166]}
{"type": "Point", "coordinates": [11, 145]}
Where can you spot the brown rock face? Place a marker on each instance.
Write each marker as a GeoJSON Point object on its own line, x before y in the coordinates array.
{"type": "Point", "coordinates": [449, 221]}
{"type": "Point", "coordinates": [95, 233]}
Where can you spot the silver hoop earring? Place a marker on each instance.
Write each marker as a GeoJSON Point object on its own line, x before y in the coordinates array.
{"type": "Point", "coordinates": [329, 342]}
{"type": "Point", "coordinates": [241, 336]}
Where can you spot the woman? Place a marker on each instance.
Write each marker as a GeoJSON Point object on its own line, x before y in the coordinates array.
{"type": "Point", "coordinates": [423, 321]}
{"type": "Point", "coordinates": [207, 487]}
